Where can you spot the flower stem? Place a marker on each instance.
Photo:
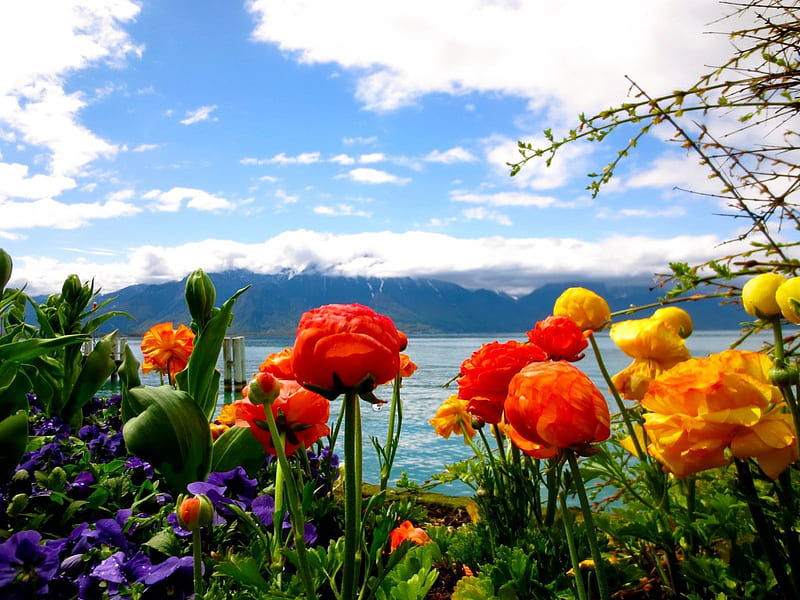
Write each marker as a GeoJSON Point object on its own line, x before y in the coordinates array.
{"type": "Point", "coordinates": [197, 568]}
{"type": "Point", "coordinates": [352, 495]}
{"type": "Point", "coordinates": [295, 508]}
{"type": "Point", "coordinates": [766, 533]}
{"type": "Point", "coordinates": [573, 551]}
{"type": "Point", "coordinates": [392, 434]}
{"type": "Point", "coordinates": [602, 582]}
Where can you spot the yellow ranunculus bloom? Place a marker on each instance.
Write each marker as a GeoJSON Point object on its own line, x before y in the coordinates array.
{"type": "Point", "coordinates": [589, 310]}
{"type": "Point", "coordinates": [453, 417]}
{"type": "Point", "coordinates": [654, 345]}
{"type": "Point", "coordinates": [704, 406]}
{"type": "Point", "coordinates": [758, 295]}
{"type": "Point", "coordinates": [788, 298]}
{"type": "Point", "coordinates": [676, 318]}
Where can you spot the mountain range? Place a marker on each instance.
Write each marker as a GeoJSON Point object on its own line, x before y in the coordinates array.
{"type": "Point", "coordinates": [274, 303]}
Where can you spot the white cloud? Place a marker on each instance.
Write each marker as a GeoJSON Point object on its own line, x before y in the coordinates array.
{"type": "Point", "coordinates": [504, 199]}
{"type": "Point", "coordinates": [462, 46]}
{"type": "Point", "coordinates": [145, 147]}
{"type": "Point", "coordinates": [363, 141]}
{"type": "Point", "coordinates": [171, 200]}
{"type": "Point", "coordinates": [481, 213]}
{"type": "Point", "coordinates": [285, 197]}
{"type": "Point", "coordinates": [513, 265]}
{"type": "Point", "coordinates": [343, 159]}
{"type": "Point", "coordinates": [15, 183]}
{"type": "Point", "coordinates": [306, 158]}
{"type": "Point", "coordinates": [371, 158]}
{"type": "Point", "coordinates": [49, 213]}
{"type": "Point", "coordinates": [367, 175]}
{"type": "Point", "coordinates": [341, 210]}
{"type": "Point", "coordinates": [199, 115]}
{"type": "Point", "coordinates": [451, 156]}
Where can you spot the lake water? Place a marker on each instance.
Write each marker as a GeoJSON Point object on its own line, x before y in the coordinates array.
{"type": "Point", "coordinates": [422, 453]}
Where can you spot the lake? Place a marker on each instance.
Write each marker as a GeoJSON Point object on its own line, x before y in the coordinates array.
{"type": "Point", "coordinates": [422, 453]}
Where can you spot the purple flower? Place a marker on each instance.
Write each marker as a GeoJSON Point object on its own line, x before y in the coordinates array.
{"type": "Point", "coordinates": [81, 486]}
{"type": "Point", "coordinates": [237, 484]}
{"type": "Point", "coordinates": [26, 566]}
{"type": "Point", "coordinates": [119, 572]}
{"type": "Point", "coordinates": [174, 574]}
{"type": "Point", "coordinates": [139, 470]}
{"type": "Point", "coordinates": [263, 507]}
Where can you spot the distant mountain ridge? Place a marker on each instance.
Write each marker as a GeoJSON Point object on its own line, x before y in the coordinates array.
{"type": "Point", "coordinates": [274, 303]}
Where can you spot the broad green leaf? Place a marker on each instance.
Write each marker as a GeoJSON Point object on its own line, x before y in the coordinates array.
{"type": "Point", "coordinates": [13, 439]}
{"type": "Point", "coordinates": [172, 434]}
{"type": "Point", "coordinates": [25, 350]}
{"type": "Point", "coordinates": [13, 396]}
{"type": "Point", "coordinates": [237, 446]}
{"type": "Point", "coordinates": [129, 379]}
{"type": "Point", "coordinates": [97, 368]}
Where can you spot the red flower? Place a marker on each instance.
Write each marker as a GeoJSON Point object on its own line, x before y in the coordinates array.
{"type": "Point", "coordinates": [341, 347]}
{"type": "Point", "coordinates": [299, 413]}
{"type": "Point", "coordinates": [560, 337]}
{"type": "Point", "coordinates": [485, 376]}
{"type": "Point", "coordinates": [407, 531]}
{"type": "Point", "coordinates": [554, 404]}
{"type": "Point", "coordinates": [279, 364]}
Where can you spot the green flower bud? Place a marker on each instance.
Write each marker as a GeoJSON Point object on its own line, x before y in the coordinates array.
{"type": "Point", "coordinates": [21, 476]}
{"type": "Point", "coordinates": [200, 296]}
{"type": "Point", "coordinates": [18, 503]}
{"type": "Point", "coordinates": [194, 512]}
{"type": "Point", "coordinates": [784, 376]}
{"type": "Point", "coordinates": [57, 479]}
{"type": "Point", "coordinates": [72, 289]}
{"type": "Point", "coordinates": [263, 388]}
{"type": "Point", "coordinates": [6, 266]}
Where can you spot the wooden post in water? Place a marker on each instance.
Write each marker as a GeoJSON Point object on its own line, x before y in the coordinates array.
{"type": "Point", "coordinates": [234, 377]}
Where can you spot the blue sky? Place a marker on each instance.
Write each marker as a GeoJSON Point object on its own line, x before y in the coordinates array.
{"type": "Point", "coordinates": [142, 140]}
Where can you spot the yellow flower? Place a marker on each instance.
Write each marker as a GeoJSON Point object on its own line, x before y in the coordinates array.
{"type": "Point", "coordinates": [758, 295]}
{"type": "Point", "coordinates": [589, 310]}
{"type": "Point", "coordinates": [704, 406]}
{"type": "Point", "coordinates": [676, 318]}
{"type": "Point", "coordinates": [788, 298]}
{"type": "Point", "coordinates": [452, 417]}
{"type": "Point", "coordinates": [654, 345]}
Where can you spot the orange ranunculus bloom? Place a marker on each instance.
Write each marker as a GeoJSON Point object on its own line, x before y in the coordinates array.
{"type": "Point", "coordinates": [453, 417]}
{"type": "Point", "coordinates": [485, 375]}
{"type": "Point", "coordinates": [279, 364]}
{"type": "Point", "coordinates": [227, 415]}
{"type": "Point", "coordinates": [167, 350]}
{"type": "Point", "coordinates": [589, 310]}
{"type": "Point", "coordinates": [556, 405]}
{"type": "Point", "coordinates": [528, 447]}
{"type": "Point", "coordinates": [407, 531]}
{"type": "Point", "coordinates": [300, 414]}
{"type": "Point", "coordinates": [560, 337]}
{"type": "Point", "coordinates": [217, 429]}
{"type": "Point", "coordinates": [341, 347]}
{"type": "Point", "coordinates": [655, 346]}
{"type": "Point", "coordinates": [704, 406]}
{"type": "Point", "coordinates": [407, 366]}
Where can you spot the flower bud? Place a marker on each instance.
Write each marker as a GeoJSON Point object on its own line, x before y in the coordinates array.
{"type": "Point", "coordinates": [200, 296]}
{"type": "Point", "coordinates": [6, 266]}
{"type": "Point", "coordinates": [72, 289]}
{"type": "Point", "coordinates": [783, 376]}
{"type": "Point", "coordinates": [758, 295]}
{"type": "Point", "coordinates": [57, 479]}
{"type": "Point", "coordinates": [589, 310]}
{"type": "Point", "coordinates": [263, 388]}
{"type": "Point", "coordinates": [788, 298]}
{"type": "Point", "coordinates": [17, 505]}
{"type": "Point", "coordinates": [676, 319]}
{"type": "Point", "coordinates": [194, 512]}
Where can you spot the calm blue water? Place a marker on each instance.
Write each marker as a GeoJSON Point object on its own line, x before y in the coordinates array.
{"type": "Point", "coordinates": [422, 453]}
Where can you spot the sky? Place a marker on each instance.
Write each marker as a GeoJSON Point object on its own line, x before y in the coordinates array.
{"type": "Point", "coordinates": [140, 140]}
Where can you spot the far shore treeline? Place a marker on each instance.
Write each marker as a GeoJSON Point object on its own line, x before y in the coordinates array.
{"type": "Point", "coordinates": [273, 303]}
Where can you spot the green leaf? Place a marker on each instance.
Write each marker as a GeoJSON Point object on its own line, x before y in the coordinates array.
{"type": "Point", "coordinates": [26, 350]}
{"type": "Point", "coordinates": [474, 588]}
{"type": "Point", "coordinates": [97, 368]}
{"type": "Point", "coordinates": [171, 433]}
{"type": "Point", "coordinates": [237, 446]}
{"type": "Point", "coordinates": [129, 379]}
{"type": "Point", "coordinates": [13, 440]}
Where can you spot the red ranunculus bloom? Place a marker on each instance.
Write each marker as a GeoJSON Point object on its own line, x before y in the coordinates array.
{"type": "Point", "coordinates": [341, 347]}
{"type": "Point", "coordinates": [560, 337]}
{"type": "Point", "coordinates": [279, 364]}
{"type": "Point", "coordinates": [485, 376]}
{"type": "Point", "coordinates": [555, 404]}
{"type": "Point", "coordinates": [407, 531]}
{"type": "Point", "coordinates": [299, 413]}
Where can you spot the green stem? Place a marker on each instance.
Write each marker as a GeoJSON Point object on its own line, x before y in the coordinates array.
{"type": "Point", "coordinates": [573, 551]}
{"type": "Point", "coordinates": [292, 498]}
{"type": "Point", "coordinates": [780, 363]}
{"type": "Point", "coordinates": [766, 533]}
{"type": "Point", "coordinates": [600, 573]}
{"type": "Point", "coordinates": [197, 556]}
{"type": "Point", "coordinates": [352, 495]}
{"type": "Point", "coordinates": [278, 508]}
{"type": "Point", "coordinates": [553, 483]}
{"type": "Point", "coordinates": [623, 410]}
{"type": "Point", "coordinates": [392, 436]}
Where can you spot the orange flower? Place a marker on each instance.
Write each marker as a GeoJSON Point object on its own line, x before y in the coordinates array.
{"type": "Point", "coordinates": [407, 531]}
{"type": "Point", "coordinates": [341, 347]}
{"type": "Point", "coordinates": [217, 429]}
{"type": "Point", "coordinates": [453, 417]}
{"type": "Point", "coordinates": [556, 405]}
{"type": "Point", "coordinates": [655, 346]}
{"type": "Point", "coordinates": [704, 406]}
{"type": "Point", "coordinates": [300, 414]}
{"type": "Point", "coordinates": [279, 364]}
{"type": "Point", "coordinates": [227, 415]}
{"type": "Point", "coordinates": [560, 337]}
{"type": "Point", "coordinates": [166, 350]}
{"type": "Point", "coordinates": [407, 366]}
{"type": "Point", "coordinates": [590, 311]}
{"type": "Point", "coordinates": [485, 376]}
